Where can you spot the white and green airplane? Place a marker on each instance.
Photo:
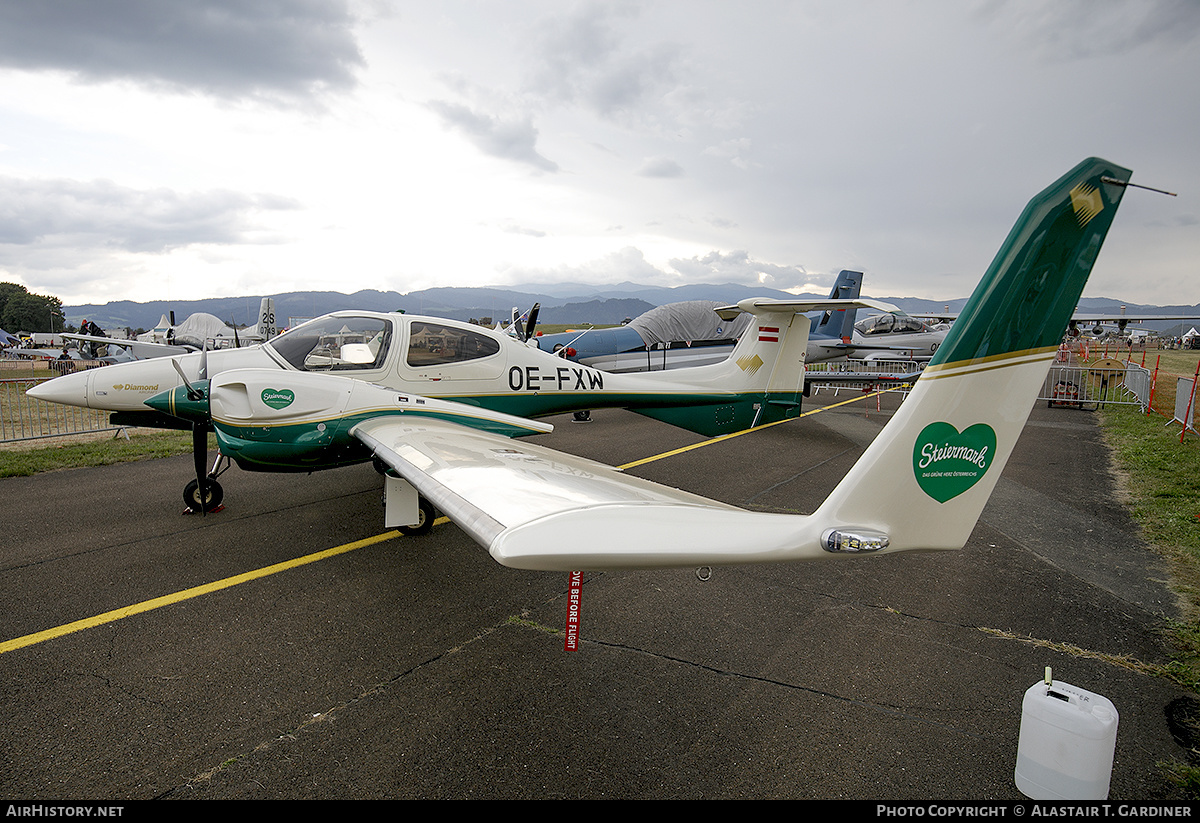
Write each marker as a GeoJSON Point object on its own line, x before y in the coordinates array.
{"type": "Point", "coordinates": [443, 407]}
{"type": "Point", "coordinates": [295, 402]}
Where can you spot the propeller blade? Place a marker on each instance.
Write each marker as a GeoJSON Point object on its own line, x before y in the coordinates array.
{"type": "Point", "coordinates": [517, 326]}
{"type": "Point", "coordinates": [191, 393]}
{"type": "Point", "coordinates": [531, 323]}
{"type": "Point", "coordinates": [204, 361]}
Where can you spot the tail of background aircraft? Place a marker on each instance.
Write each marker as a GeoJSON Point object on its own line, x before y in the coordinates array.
{"type": "Point", "coordinates": [267, 327]}
{"type": "Point", "coordinates": [840, 324]}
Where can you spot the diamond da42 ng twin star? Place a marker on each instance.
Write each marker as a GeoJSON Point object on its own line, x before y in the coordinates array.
{"type": "Point", "coordinates": [313, 384]}
{"type": "Point", "coordinates": [443, 406]}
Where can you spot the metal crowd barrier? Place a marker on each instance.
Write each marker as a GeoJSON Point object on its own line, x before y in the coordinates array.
{"type": "Point", "coordinates": [1068, 386]}
{"type": "Point", "coordinates": [1095, 385]}
{"type": "Point", "coordinates": [866, 368]}
{"type": "Point", "coordinates": [25, 418]}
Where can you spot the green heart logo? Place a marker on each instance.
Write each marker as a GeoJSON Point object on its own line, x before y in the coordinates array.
{"type": "Point", "coordinates": [947, 462]}
{"type": "Point", "coordinates": [278, 398]}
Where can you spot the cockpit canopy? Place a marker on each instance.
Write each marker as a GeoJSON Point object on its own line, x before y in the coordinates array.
{"type": "Point", "coordinates": [889, 324]}
{"type": "Point", "coordinates": [349, 343]}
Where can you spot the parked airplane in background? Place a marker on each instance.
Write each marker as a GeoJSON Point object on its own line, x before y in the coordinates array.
{"type": "Point", "coordinates": [168, 340]}
{"type": "Point", "coordinates": [680, 335]}
{"type": "Point", "coordinates": [446, 400]}
{"type": "Point", "coordinates": [891, 336]}
{"type": "Point", "coordinates": [130, 349]}
{"type": "Point", "coordinates": [899, 336]}
{"type": "Point", "coordinates": [1119, 319]}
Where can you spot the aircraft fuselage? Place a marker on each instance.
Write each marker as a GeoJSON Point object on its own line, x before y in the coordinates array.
{"type": "Point", "coordinates": [397, 356]}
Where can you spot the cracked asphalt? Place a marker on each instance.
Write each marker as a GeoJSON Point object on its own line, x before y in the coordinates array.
{"type": "Point", "coordinates": [419, 668]}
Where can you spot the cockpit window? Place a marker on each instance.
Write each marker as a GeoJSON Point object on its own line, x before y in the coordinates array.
{"type": "Point", "coordinates": [336, 344]}
{"type": "Point", "coordinates": [889, 324]}
{"type": "Point", "coordinates": [432, 344]}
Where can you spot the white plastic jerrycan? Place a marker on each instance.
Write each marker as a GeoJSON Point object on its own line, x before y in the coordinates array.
{"type": "Point", "coordinates": [1066, 745]}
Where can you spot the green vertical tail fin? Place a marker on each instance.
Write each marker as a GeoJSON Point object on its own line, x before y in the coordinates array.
{"type": "Point", "coordinates": [1030, 291]}
{"type": "Point", "coordinates": [925, 479]}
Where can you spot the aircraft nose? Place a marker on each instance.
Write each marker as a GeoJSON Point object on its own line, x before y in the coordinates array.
{"type": "Point", "coordinates": [69, 389]}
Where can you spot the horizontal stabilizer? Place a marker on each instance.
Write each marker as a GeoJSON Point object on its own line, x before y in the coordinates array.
{"type": "Point", "coordinates": [764, 305]}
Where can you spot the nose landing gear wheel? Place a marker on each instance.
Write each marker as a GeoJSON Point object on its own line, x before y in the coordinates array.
{"type": "Point", "coordinates": [212, 498]}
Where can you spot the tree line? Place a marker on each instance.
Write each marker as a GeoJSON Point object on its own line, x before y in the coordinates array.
{"type": "Point", "coordinates": [21, 310]}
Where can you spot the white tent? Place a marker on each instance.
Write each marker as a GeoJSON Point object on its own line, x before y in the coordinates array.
{"type": "Point", "coordinates": [200, 327]}
{"type": "Point", "coordinates": [193, 331]}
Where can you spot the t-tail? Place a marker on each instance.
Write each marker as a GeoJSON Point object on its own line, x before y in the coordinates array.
{"type": "Point", "coordinates": [925, 479]}
{"type": "Point", "coordinates": [762, 380]}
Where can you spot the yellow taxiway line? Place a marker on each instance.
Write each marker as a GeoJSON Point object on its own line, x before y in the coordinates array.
{"type": "Point", "coordinates": [267, 571]}
{"type": "Point", "coordinates": [188, 594]}
{"type": "Point", "coordinates": [724, 437]}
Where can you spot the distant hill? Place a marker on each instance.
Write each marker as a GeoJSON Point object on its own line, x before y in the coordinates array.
{"type": "Point", "coordinates": [602, 305]}
{"type": "Point", "coordinates": [573, 303]}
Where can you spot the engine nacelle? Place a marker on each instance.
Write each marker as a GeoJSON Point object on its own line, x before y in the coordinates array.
{"type": "Point", "coordinates": [273, 420]}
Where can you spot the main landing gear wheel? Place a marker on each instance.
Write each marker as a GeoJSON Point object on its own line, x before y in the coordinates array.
{"type": "Point", "coordinates": [212, 498]}
{"type": "Point", "coordinates": [426, 514]}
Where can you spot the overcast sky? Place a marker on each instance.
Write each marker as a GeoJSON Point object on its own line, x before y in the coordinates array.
{"type": "Point", "coordinates": [181, 149]}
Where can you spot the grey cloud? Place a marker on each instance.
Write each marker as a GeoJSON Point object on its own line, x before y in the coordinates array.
{"type": "Point", "coordinates": [96, 215]}
{"type": "Point", "coordinates": [630, 265]}
{"type": "Point", "coordinates": [739, 267]}
{"type": "Point", "coordinates": [660, 167]}
{"type": "Point", "coordinates": [582, 59]}
{"type": "Point", "coordinates": [627, 264]}
{"type": "Point", "coordinates": [226, 48]}
{"type": "Point", "coordinates": [510, 140]}
{"type": "Point", "coordinates": [528, 232]}
{"type": "Point", "coordinates": [1072, 29]}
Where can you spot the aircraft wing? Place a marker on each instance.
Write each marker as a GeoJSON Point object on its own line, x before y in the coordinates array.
{"type": "Point", "coordinates": [1083, 317]}
{"type": "Point", "coordinates": [837, 344]}
{"type": "Point", "coordinates": [1129, 318]}
{"type": "Point", "coordinates": [891, 378]}
{"type": "Point", "coordinates": [138, 348]}
{"type": "Point", "coordinates": [513, 496]}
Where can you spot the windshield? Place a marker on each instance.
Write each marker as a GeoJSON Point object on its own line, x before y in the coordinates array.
{"type": "Point", "coordinates": [336, 344]}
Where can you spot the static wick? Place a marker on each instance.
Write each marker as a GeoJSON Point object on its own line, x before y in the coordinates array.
{"type": "Point", "coordinates": [1117, 182]}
